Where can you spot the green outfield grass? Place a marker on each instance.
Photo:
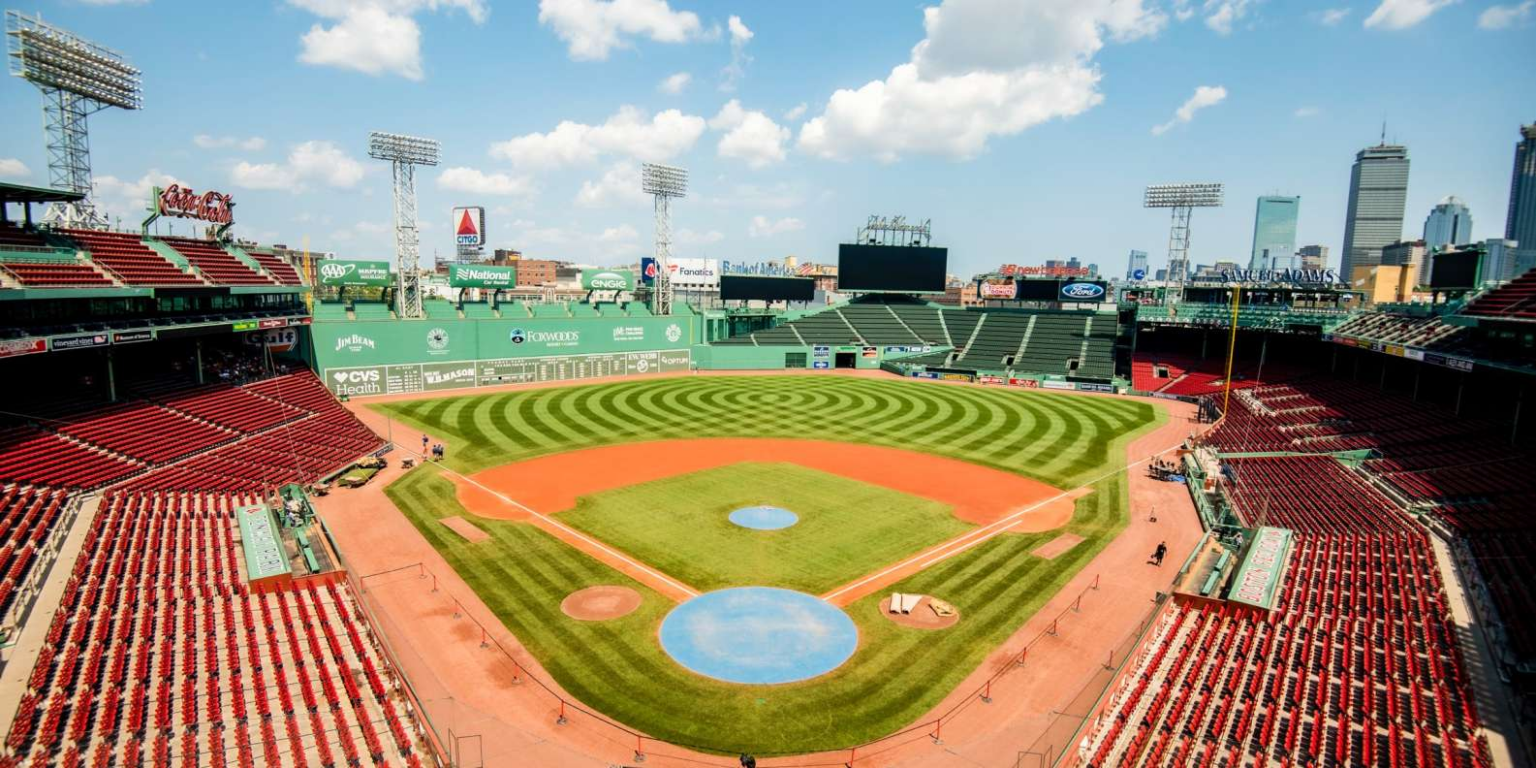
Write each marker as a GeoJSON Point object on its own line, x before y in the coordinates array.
{"type": "Point", "coordinates": [897, 674]}
{"type": "Point", "coordinates": [680, 525]}
{"type": "Point", "coordinates": [1063, 440]}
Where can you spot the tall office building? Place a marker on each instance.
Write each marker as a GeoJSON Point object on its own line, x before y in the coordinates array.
{"type": "Point", "coordinates": [1411, 254]}
{"type": "Point", "coordinates": [1274, 233]}
{"type": "Point", "coordinates": [1138, 264]}
{"type": "Point", "coordinates": [1520, 224]}
{"type": "Point", "coordinates": [1313, 256]}
{"type": "Point", "coordinates": [1378, 192]}
{"type": "Point", "coordinates": [1448, 223]}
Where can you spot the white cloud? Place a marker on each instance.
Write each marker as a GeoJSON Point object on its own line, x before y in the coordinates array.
{"type": "Point", "coordinates": [1205, 96]}
{"type": "Point", "coordinates": [780, 196]}
{"type": "Point", "coordinates": [1222, 14]}
{"type": "Point", "coordinates": [1506, 16]}
{"type": "Point", "coordinates": [751, 136]}
{"type": "Point", "coordinates": [1330, 17]}
{"type": "Point", "coordinates": [986, 68]}
{"type": "Point", "coordinates": [737, 69]}
{"type": "Point", "coordinates": [1402, 14]}
{"type": "Point", "coordinates": [252, 144]}
{"type": "Point", "coordinates": [796, 112]}
{"type": "Point", "coordinates": [1305, 112]}
{"type": "Point", "coordinates": [620, 185]}
{"type": "Point", "coordinates": [591, 29]}
{"type": "Point", "coordinates": [690, 237]}
{"type": "Point", "coordinates": [628, 132]}
{"type": "Point", "coordinates": [761, 226]}
{"type": "Point", "coordinates": [675, 83]}
{"type": "Point", "coordinates": [621, 234]}
{"type": "Point", "coordinates": [127, 199]}
{"type": "Point", "coordinates": [311, 162]}
{"type": "Point", "coordinates": [11, 168]}
{"type": "Point", "coordinates": [375, 37]}
{"type": "Point", "coordinates": [477, 182]}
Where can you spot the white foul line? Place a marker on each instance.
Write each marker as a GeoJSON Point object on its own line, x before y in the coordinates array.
{"type": "Point", "coordinates": [578, 534]}
{"type": "Point", "coordinates": [937, 555]}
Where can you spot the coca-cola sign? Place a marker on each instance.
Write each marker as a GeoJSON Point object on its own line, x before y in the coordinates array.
{"type": "Point", "coordinates": [177, 200]}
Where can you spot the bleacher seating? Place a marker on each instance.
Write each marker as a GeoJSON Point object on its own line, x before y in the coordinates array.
{"type": "Point", "coordinates": [130, 259]}
{"type": "Point", "coordinates": [478, 310]}
{"type": "Point", "coordinates": [1515, 300]}
{"type": "Point", "coordinates": [1056, 339]}
{"type": "Point", "coordinates": [878, 325]}
{"type": "Point", "coordinates": [961, 324]}
{"type": "Point", "coordinates": [232, 407]}
{"type": "Point", "coordinates": [371, 310]}
{"type": "Point", "coordinates": [330, 310]}
{"type": "Point", "coordinates": [925, 321]}
{"type": "Point", "coordinates": [438, 309]}
{"type": "Point", "coordinates": [35, 457]}
{"type": "Point", "coordinates": [556, 309]}
{"type": "Point", "coordinates": [143, 431]}
{"type": "Point", "coordinates": [583, 309]}
{"type": "Point", "coordinates": [216, 263]}
{"type": "Point", "coordinates": [281, 270]}
{"type": "Point", "coordinates": [22, 238]}
{"type": "Point", "coordinates": [1358, 664]}
{"type": "Point", "coordinates": [998, 340]}
{"type": "Point", "coordinates": [638, 309]}
{"type": "Point", "coordinates": [159, 646]}
{"type": "Point", "coordinates": [56, 274]}
{"type": "Point", "coordinates": [27, 518]}
{"type": "Point", "coordinates": [1423, 332]}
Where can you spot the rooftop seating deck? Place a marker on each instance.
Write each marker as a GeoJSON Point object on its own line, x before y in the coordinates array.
{"type": "Point", "coordinates": [130, 259]}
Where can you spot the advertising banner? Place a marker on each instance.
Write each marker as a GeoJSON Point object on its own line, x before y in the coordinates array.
{"type": "Point", "coordinates": [352, 272]}
{"type": "Point", "coordinates": [821, 365]}
{"type": "Point", "coordinates": [1031, 383]}
{"type": "Point", "coordinates": [79, 342]}
{"type": "Point", "coordinates": [1260, 573]}
{"type": "Point", "coordinates": [607, 280]}
{"type": "Point", "coordinates": [469, 226]}
{"type": "Point", "coordinates": [28, 346]}
{"type": "Point", "coordinates": [1058, 385]}
{"type": "Point", "coordinates": [427, 377]}
{"type": "Point", "coordinates": [1082, 292]}
{"type": "Point", "coordinates": [989, 379]}
{"type": "Point", "coordinates": [695, 274]}
{"type": "Point", "coordinates": [133, 337]}
{"type": "Point", "coordinates": [869, 352]}
{"type": "Point", "coordinates": [999, 289]}
{"type": "Point", "coordinates": [481, 276]}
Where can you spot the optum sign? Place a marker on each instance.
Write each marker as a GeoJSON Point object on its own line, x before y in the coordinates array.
{"type": "Point", "coordinates": [607, 280]}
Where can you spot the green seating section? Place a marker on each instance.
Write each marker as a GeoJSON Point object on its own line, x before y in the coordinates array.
{"type": "Point", "coordinates": [878, 325]}
{"type": "Point", "coordinates": [1099, 362]}
{"type": "Point", "coordinates": [637, 309]}
{"type": "Point", "coordinates": [998, 341]}
{"type": "Point", "coordinates": [1055, 340]}
{"type": "Point", "coordinates": [371, 310]}
{"type": "Point", "coordinates": [548, 310]}
{"type": "Point", "coordinates": [437, 309]}
{"type": "Point", "coordinates": [330, 310]}
{"type": "Point", "coordinates": [478, 310]}
{"type": "Point", "coordinates": [925, 322]}
{"type": "Point", "coordinates": [824, 328]}
{"type": "Point", "coordinates": [961, 323]}
{"type": "Point", "coordinates": [583, 309]}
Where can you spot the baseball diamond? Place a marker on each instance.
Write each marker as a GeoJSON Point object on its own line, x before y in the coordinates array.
{"type": "Point", "coordinates": [523, 573]}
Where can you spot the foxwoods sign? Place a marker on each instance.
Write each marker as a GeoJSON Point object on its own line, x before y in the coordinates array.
{"type": "Point", "coordinates": [1294, 276]}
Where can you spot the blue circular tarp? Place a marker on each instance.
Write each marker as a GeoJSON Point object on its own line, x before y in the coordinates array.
{"type": "Point", "coordinates": [764, 518]}
{"type": "Point", "coordinates": [759, 635]}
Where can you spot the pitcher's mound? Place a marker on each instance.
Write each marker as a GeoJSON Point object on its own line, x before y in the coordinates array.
{"type": "Point", "coordinates": [921, 617]}
{"type": "Point", "coordinates": [600, 603]}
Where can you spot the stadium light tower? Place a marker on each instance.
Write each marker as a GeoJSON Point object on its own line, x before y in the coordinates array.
{"type": "Point", "coordinates": [78, 78]}
{"type": "Point", "coordinates": [663, 182]}
{"type": "Point", "coordinates": [1183, 199]}
{"type": "Point", "coordinates": [405, 153]}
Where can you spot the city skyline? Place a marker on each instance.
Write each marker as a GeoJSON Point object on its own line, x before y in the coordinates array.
{"type": "Point", "coordinates": [1520, 220]}
{"type": "Point", "coordinates": [545, 111]}
{"type": "Point", "coordinates": [1448, 223]}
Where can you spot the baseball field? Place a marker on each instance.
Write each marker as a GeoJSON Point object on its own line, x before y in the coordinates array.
{"type": "Point", "coordinates": [651, 468]}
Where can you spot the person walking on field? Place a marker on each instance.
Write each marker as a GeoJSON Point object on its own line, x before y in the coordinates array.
{"type": "Point", "coordinates": [1157, 554]}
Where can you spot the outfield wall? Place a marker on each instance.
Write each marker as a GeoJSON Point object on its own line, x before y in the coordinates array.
{"type": "Point", "coordinates": [403, 356]}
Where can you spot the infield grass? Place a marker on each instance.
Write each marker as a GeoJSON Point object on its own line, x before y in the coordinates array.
{"type": "Point", "coordinates": [897, 674]}
{"type": "Point", "coordinates": [847, 528]}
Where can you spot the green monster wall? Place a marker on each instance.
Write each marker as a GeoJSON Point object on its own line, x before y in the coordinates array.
{"type": "Point", "coordinates": [395, 356]}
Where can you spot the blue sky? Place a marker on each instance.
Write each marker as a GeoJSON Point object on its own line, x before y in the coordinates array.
{"type": "Point", "coordinates": [1026, 130]}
